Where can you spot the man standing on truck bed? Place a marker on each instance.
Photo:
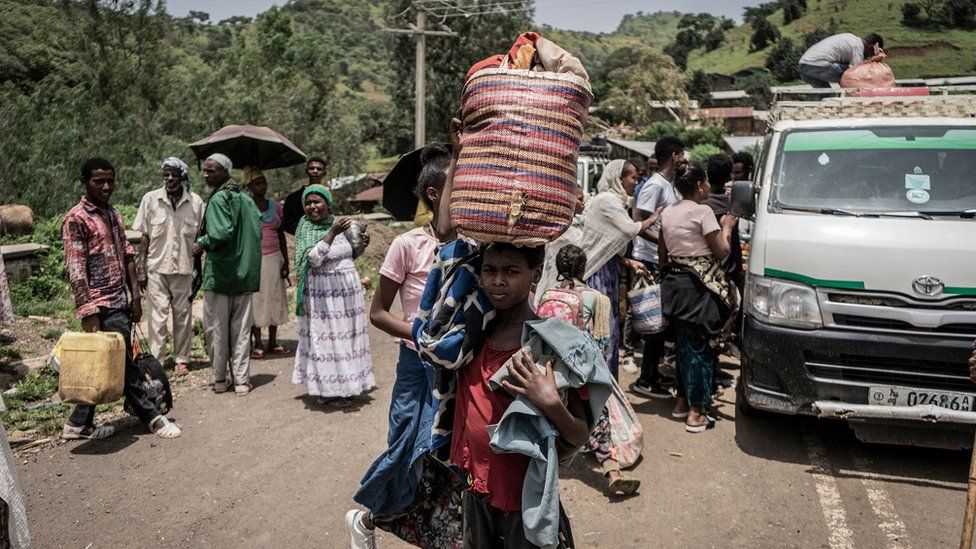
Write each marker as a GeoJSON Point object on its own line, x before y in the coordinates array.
{"type": "Point", "coordinates": [826, 61]}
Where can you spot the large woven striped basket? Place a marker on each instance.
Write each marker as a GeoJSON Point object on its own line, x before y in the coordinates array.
{"type": "Point", "coordinates": [515, 179]}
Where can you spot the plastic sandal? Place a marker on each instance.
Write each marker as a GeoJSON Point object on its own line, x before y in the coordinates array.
{"type": "Point", "coordinates": [168, 429]}
{"type": "Point", "coordinates": [709, 424]}
{"type": "Point", "coordinates": [279, 350]}
{"type": "Point", "coordinates": [257, 354]}
{"type": "Point", "coordinates": [89, 432]}
{"type": "Point", "coordinates": [624, 485]}
{"type": "Point", "coordinates": [221, 387]}
{"type": "Point", "coordinates": [180, 369]}
{"type": "Point", "coordinates": [243, 390]}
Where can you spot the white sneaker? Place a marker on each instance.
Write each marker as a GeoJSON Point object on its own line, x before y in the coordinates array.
{"type": "Point", "coordinates": [629, 365]}
{"type": "Point", "coordinates": [360, 537]}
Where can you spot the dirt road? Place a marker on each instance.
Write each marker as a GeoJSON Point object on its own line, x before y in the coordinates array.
{"type": "Point", "coordinates": [276, 470]}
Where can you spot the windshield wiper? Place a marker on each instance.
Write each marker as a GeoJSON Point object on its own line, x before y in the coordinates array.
{"type": "Point", "coordinates": [920, 215]}
{"type": "Point", "coordinates": [828, 211]}
{"type": "Point", "coordinates": [839, 211]}
{"type": "Point", "coordinates": [965, 214]}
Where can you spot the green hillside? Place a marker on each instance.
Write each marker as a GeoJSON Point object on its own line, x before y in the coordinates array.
{"type": "Point", "coordinates": [652, 29]}
{"type": "Point", "coordinates": [914, 52]}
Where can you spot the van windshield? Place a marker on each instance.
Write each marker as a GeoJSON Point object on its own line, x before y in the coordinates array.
{"type": "Point", "coordinates": [877, 170]}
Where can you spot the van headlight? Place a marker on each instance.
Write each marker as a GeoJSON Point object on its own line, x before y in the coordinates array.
{"type": "Point", "coordinates": [782, 303]}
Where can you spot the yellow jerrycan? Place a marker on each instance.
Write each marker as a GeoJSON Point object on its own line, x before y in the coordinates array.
{"type": "Point", "coordinates": [92, 367]}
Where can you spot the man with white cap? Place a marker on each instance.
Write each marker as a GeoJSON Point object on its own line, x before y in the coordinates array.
{"type": "Point", "coordinates": [169, 219]}
{"type": "Point", "coordinates": [231, 237]}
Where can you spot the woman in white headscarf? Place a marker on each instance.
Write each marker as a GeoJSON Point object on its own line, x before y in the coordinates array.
{"type": "Point", "coordinates": [607, 228]}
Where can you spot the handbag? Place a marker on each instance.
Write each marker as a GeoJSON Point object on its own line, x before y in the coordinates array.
{"type": "Point", "coordinates": [626, 432]}
{"type": "Point", "coordinates": [152, 376]}
{"type": "Point", "coordinates": [644, 302]}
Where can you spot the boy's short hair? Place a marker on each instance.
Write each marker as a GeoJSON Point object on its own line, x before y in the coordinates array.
{"type": "Point", "coordinates": [719, 168]}
{"type": "Point", "coordinates": [95, 163]}
{"type": "Point", "coordinates": [874, 38]}
{"type": "Point", "coordinates": [745, 159]}
{"type": "Point", "coordinates": [667, 146]}
{"type": "Point", "coordinates": [318, 159]}
{"type": "Point", "coordinates": [533, 255]}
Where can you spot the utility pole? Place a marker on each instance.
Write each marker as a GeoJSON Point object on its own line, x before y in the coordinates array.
{"type": "Point", "coordinates": [420, 32]}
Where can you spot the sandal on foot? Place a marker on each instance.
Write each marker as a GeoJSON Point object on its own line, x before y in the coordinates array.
{"type": "Point", "coordinates": [624, 485]}
{"type": "Point", "coordinates": [709, 424]}
{"type": "Point", "coordinates": [279, 350]}
{"type": "Point", "coordinates": [167, 428]}
{"type": "Point", "coordinates": [180, 369]}
{"type": "Point", "coordinates": [257, 354]}
{"type": "Point", "coordinates": [343, 403]}
{"type": "Point", "coordinates": [221, 387]}
{"type": "Point", "coordinates": [89, 432]}
{"type": "Point", "coordinates": [679, 415]}
{"type": "Point", "coordinates": [243, 390]}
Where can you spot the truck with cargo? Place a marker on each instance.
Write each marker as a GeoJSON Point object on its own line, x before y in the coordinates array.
{"type": "Point", "coordinates": [860, 300]}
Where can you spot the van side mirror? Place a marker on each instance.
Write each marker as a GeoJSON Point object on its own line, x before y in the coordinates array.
{"type": "Point", "coordinates": [743, 200]}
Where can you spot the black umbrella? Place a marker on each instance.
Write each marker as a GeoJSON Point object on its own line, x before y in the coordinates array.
{"type": "Point", "coordinates": [399, 197]}
{"type": "Point", "coordinates": [256, 146]}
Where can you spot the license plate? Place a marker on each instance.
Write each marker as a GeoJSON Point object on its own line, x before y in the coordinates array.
{"type": "Point", "coordinates": [906, 396]}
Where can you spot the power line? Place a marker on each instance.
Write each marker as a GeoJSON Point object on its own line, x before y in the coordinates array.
{"type": "Point", "coordinates": [504, 10]}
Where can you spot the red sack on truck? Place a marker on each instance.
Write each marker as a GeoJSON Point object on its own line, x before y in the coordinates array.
{"type": "Point", "coordinates": [871, 74]}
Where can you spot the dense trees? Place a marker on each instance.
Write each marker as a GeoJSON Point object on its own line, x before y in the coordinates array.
{"type": "Point", "coordinates": [940, 13]}
{"type": "Point", "coordinates": [637, 76]}
{"type": "Point", "coordinates": [696, 31]}
{"type": "Point", "coordinates": [448, 60]}
{"type": "Point", "coordinates": [126, 81]}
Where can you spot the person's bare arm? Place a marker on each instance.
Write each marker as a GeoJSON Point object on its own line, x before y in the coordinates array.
{"type": "Point", "coordinates": [143, 261]}
{"type": "Point", "coordinates": [134, 291]}
{"type": "Point", "coordinates": [540, 389]}
{"type": "Point", "coordinates": [283, 246]}
{"type": "Point", "coordinates": [444, 230]}
{"type": "Point", "coordinates": [720, 241]}
{"type": "Point", "coordinates": [662, 253]}
{"type": "Point", "coordinates": [646, 222]}
{"type": "Point", "coordinates": [379, 311]}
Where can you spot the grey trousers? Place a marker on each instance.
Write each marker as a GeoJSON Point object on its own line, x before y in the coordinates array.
{"type": "Point", "coordinates": [227, 328]}
{"type": "Point", "coordinates": [170, 293]}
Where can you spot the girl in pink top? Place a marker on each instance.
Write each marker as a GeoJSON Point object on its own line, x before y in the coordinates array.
{"type": "Point", "coordinates": [269, 305]}
{"type": "Point", "coordinates": [389, 489]}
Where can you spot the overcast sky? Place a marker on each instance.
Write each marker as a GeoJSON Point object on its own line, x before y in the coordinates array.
{"type": "Point", "coordinates": [595, 15]}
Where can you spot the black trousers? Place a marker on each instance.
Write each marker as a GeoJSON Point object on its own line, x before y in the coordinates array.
{"type": "Point", "coordinates": [485, 527]}
{"type": "Point", "coordinates": [120, 322]}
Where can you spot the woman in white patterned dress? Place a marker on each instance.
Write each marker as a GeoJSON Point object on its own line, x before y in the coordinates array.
{"type": "Point", "coordinates": [333, 359]}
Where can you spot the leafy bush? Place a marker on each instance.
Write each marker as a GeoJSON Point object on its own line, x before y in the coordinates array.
{"type": "Point", "coordinates": [782, 60]}
{"type": "Point", "coordinates": [701, 152]}
{"type": "Point", "coordinates": [763, 34]}
{"type": "Point", "coordinates": [710, 133]}
{"type": "Point", "coordinates": [757, 86]}
{"type": "Point", "coordinates": [47, 293]}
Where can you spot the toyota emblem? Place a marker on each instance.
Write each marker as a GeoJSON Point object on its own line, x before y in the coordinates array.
{"type": "Point", "coordinates": [928, 286]}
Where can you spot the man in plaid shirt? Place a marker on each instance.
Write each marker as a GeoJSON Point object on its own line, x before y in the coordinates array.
{"type": "Point", "coordinates": [100, 265]}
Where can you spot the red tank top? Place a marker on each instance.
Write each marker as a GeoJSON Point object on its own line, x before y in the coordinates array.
{"type": "Point", "coordinates": [498, 476]}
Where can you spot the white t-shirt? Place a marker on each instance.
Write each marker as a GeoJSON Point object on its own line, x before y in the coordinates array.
{"type": "Point", "coordinates": [656, 193]}
{"type": "Point", "coordinates": [845, 48]}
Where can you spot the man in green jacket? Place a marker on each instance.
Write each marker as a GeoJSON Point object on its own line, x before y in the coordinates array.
{"type": "Point", "coordinates": [231, 236]}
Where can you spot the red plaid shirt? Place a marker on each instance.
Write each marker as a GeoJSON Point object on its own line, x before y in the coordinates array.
{"type": "Point", "coordinates": [95, 249]}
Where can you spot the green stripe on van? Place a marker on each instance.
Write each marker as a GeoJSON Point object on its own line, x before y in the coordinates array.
{"type": "Point", "coordinates": [958, 290]}
{"type": "Point", "coordinates": [843, 284]}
